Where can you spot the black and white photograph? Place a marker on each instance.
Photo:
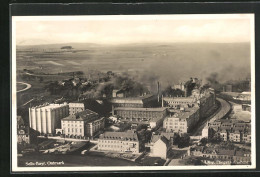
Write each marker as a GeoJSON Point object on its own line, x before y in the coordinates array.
{"type": "Point", "coordinates": [133, 92]}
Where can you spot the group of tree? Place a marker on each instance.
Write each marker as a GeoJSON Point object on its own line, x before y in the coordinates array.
{"type": "Point", "coordinates": [182, 141]}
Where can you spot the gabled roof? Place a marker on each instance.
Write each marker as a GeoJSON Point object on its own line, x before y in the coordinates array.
{"type": "Point", "coordinates": [162, 139]}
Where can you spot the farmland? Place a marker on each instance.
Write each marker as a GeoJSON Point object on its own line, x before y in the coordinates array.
{"type": "Point", "coordinates": [168, 62]}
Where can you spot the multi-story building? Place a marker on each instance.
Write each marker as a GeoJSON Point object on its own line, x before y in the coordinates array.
{"type": "Point", "coordinates": [154, 116]}
{"type": "Point", "coordinates": [119, 142]}
{"type": "Point", "coordinates": [45, 118]}
{"type": "Point", "coordinates": [76, 107]}
{"type": "Point", "coordinates": [85, 123]}
{"type": "Point", "coordinates": [183, 121]}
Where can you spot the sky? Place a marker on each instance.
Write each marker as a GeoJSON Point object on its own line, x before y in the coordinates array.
{"type": "Point", "coordinates": [123, 29]}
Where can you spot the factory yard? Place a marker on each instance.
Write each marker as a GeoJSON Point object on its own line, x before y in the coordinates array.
{"type": "Point", "coordinates": [239, 114]}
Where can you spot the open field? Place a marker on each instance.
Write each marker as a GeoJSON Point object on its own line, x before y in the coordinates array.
{"type": "Point", "coordinates": [20, 86]}
{"type": "Point", "coordinates": [168, 62]}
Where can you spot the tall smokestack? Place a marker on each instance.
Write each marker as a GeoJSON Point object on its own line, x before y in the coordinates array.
{"type": "Point", "coordinates": [162, 101]}
{"type": "Point", "coordinates": [158, 91]}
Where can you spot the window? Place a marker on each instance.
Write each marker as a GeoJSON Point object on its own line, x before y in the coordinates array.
{"type": "Point", "coordinates": [68, 129]}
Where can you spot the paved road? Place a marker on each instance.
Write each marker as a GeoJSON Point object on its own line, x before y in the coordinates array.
{"type": "Point", "coordinates": [28, 86]}
{"type": "Point", "coordinates": [224, 109]}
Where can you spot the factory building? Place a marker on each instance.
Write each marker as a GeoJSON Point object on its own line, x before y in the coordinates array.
{"type": "Point", "coordinates": [85, 123]}
{"type": "Point", "coordinates": [145, 115]}
{"type": "Point", "coordinates": [45, 118]}
{"type": "Point", "coordinates": [119, 142]}
{"type": "Point", "coordinates": [178, 102]}
{"type": "Point", "coordinates": [146, 101]}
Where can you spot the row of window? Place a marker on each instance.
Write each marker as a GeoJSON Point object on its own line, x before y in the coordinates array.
{"type": "Point", "coordinates": [72, 125]}
{"type": "Point", "coordinates": [179, 102]}
{"type": "Point", "coordinates": [112, 146]}
{"type": "Point", "coordinates": [72, 130]}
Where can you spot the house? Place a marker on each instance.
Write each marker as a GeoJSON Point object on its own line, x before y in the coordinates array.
{"type": "Point", "coordinates": [246, 137]}
{"type": "Point", "coordinates": [235, 136]}
{"type": "Point", "coordinates": [23, 134]}
{"type": "Point", "coordinates": [223, 134]}
{"type": "Point", "coordinates": [196, 151]}
{"type": "Point", "coordinates": [160, 148]}
{"type": "Point", "coordinates": [242, 157]}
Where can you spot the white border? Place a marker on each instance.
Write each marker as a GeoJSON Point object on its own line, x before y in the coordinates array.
{"type": "Point", "coordinates": [15, 168]}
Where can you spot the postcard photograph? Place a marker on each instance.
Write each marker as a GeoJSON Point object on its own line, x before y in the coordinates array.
{"type": "Point", "coordinates": [133, 92]}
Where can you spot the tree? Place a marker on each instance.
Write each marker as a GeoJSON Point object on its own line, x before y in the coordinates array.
{"type": "Point", "coordinates": [215, 139]}
{"type": "Point", "coordinates": [176, 139]}
{"type": "Point", "coordinates": [184, 141]}
{"type": "Point", "coordinates": [204, 141]}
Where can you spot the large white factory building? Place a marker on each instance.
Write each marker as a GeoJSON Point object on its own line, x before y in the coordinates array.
{"type": "Point", "coordinates": [45, 118]}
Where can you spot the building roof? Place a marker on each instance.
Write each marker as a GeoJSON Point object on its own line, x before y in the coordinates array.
{"type": "Point", "coordinates": [20, 121]}
{"type": "Point", "coordinates": [26, 129]}
{"type": "Point", "coordinates": [82, 116]}
{"type": "Point", "coordinates": [241, 153]}
{"type": "Point", "coordinates": [164, 140]}
{"type": "Point", "coordinates": [167, 135]}
{"type": "Point", "coordinates": [140, 109]}
{"type": "Point", "coordinates": [137, 100]}
{"type": "Point", "coordinates": [223, 131]}
{"type": "Point", "coordinates": [198, 148]}
{"type": "Point", "coordinates": [49, 106]}
{"type": "Point", "coordinates": [185, 114]}
{"type": "Point", "coordinates": [129, 135]}
{"type": "Point", "coordinates": [235, 132]}
{"type": "Point", "coordinates": [155, 138]}
{"type": "Point", "coordinates": [226, 152]}
{"type": "Point", "coordinates": [163, 134]}
{"type": "Point", "coordinates": [189, 99]}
